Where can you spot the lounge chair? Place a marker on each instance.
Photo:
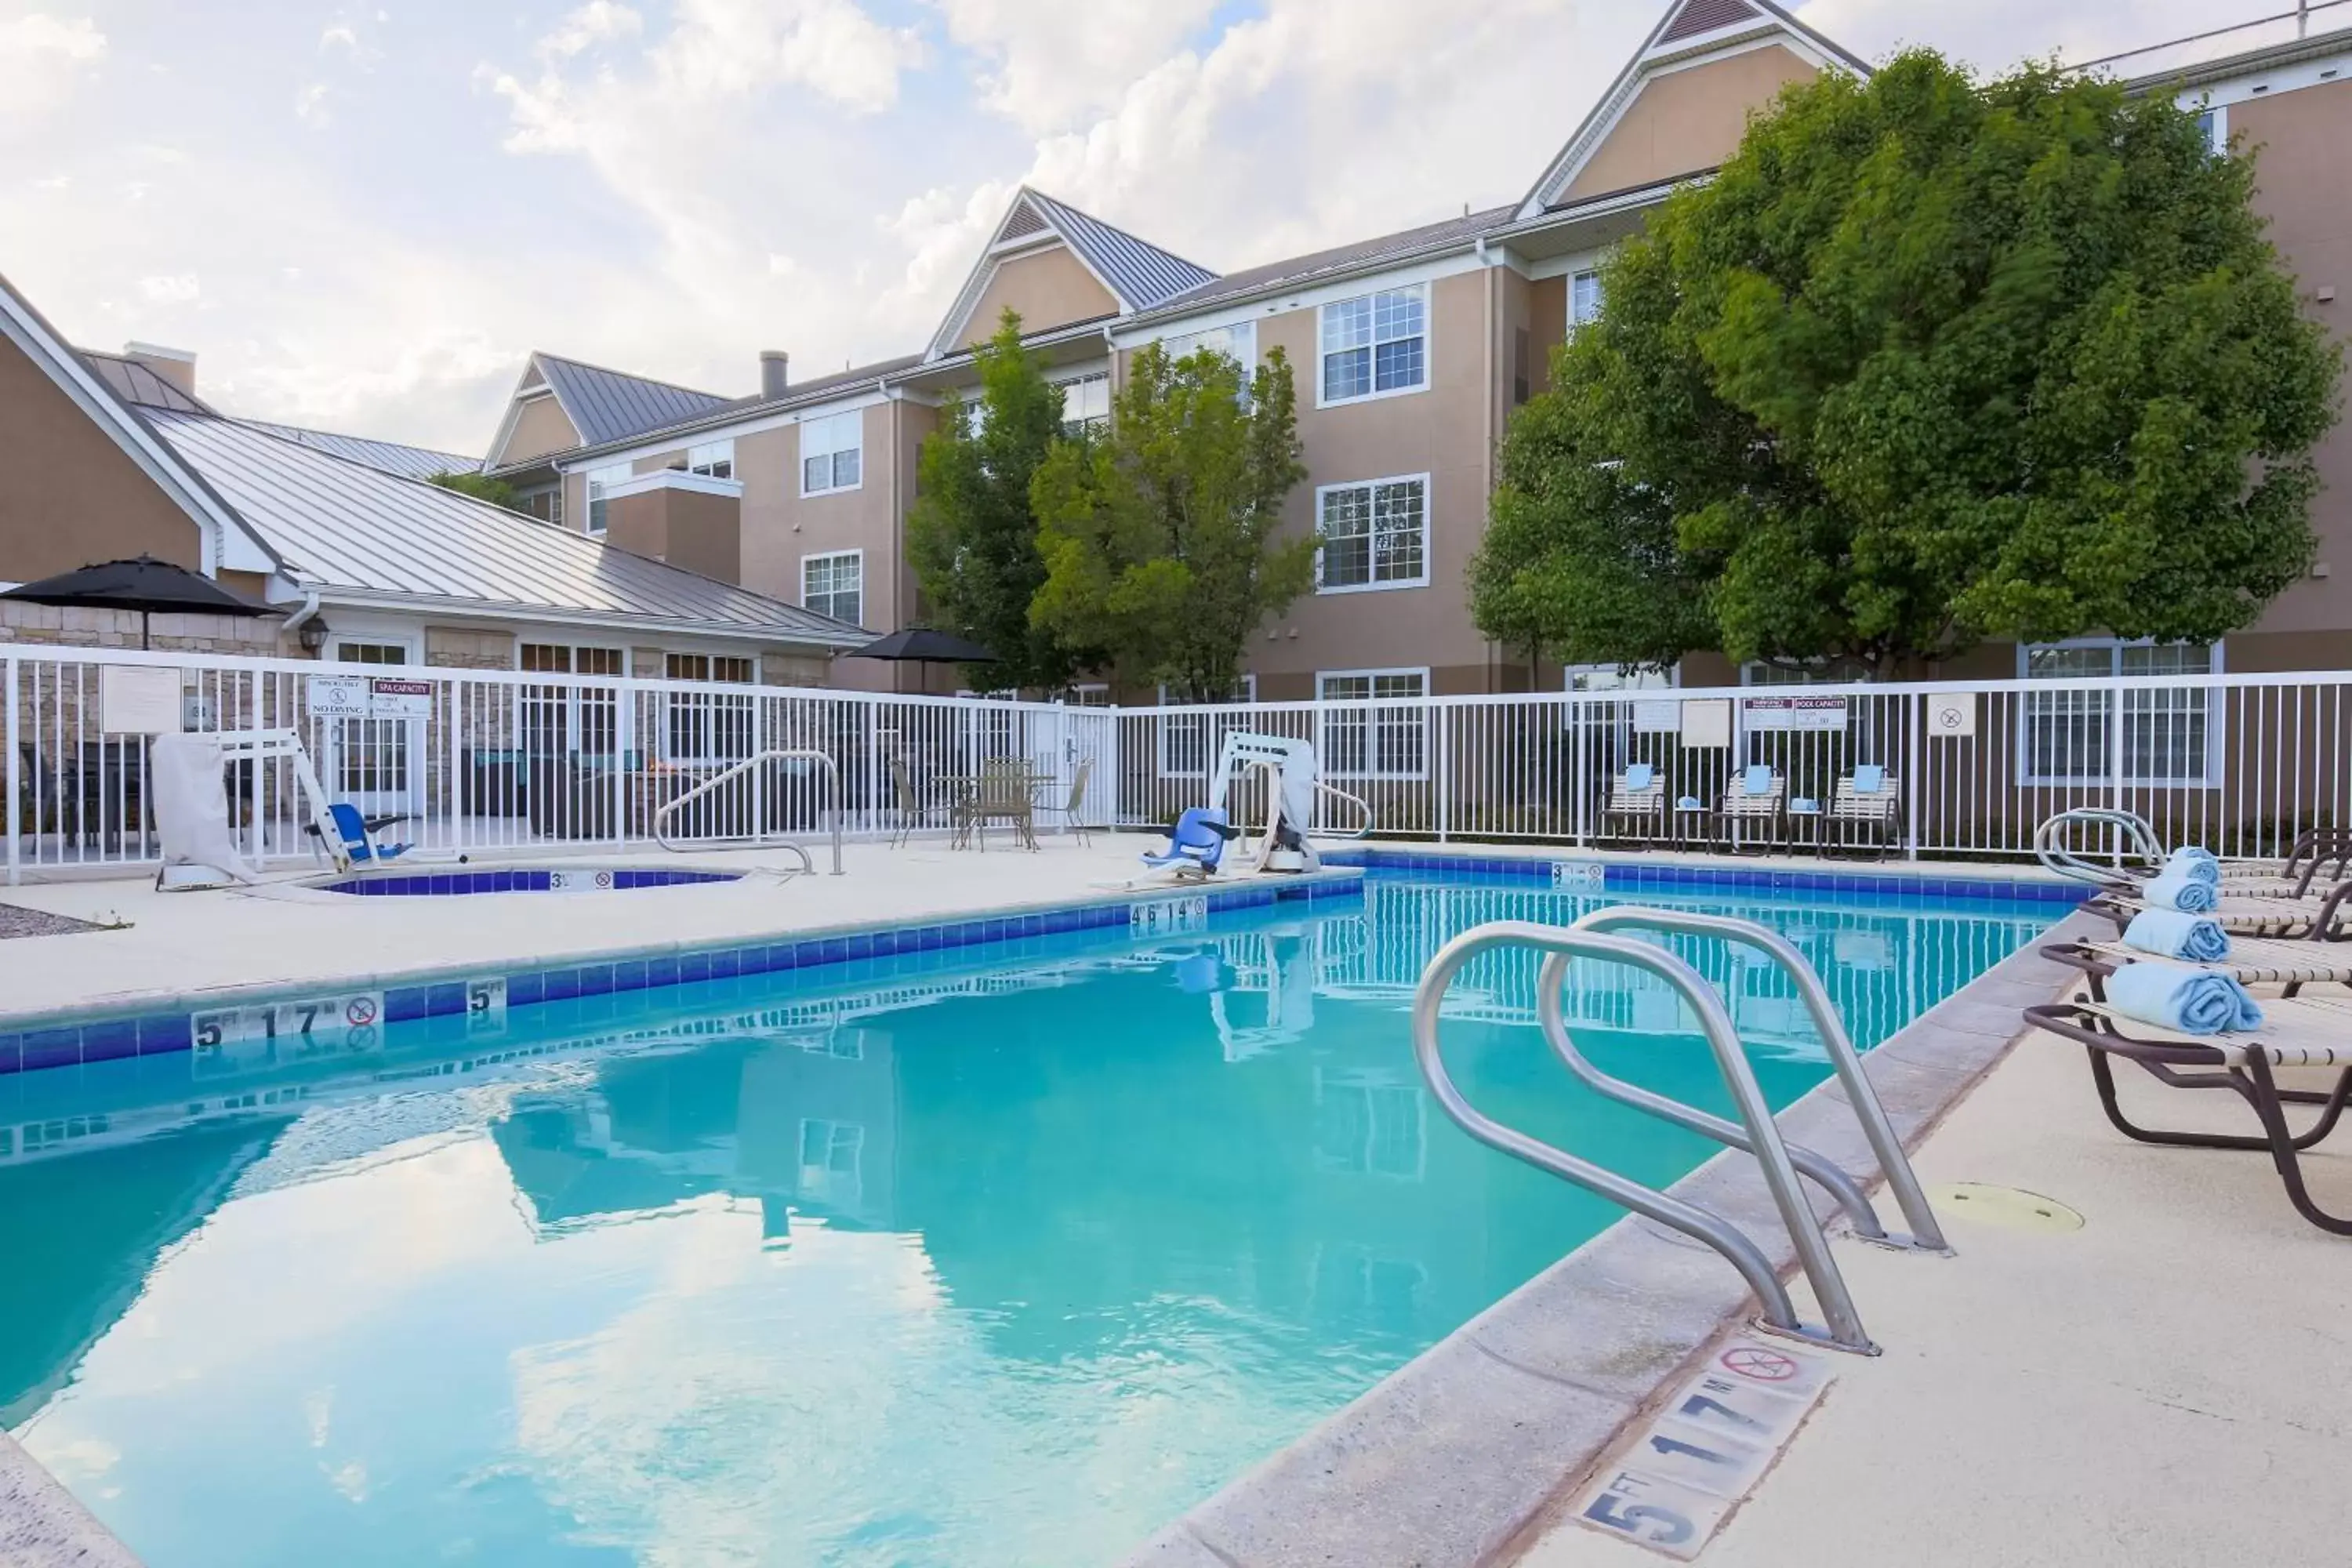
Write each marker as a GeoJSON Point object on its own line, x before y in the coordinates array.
{"type": "Point", "coordinates": [1072, 811]}
{"type": "Point", "coordinates": [1636, 807]}
{"type": "Point", "coordinates": [1868, 805]}
{"type": "Point", "coordinates": [2243, 914]}
{"type": "Point", "coordinates": [2253, 960]}
{"type": "Point", "coordinates": [1755, 796]}
{"type": "Point", "coordinates": [2319, 856]}
{"type": "Point", "coordinates": [1195, 844]}
{"type": "Point", "coordinates": [2300, 1032]}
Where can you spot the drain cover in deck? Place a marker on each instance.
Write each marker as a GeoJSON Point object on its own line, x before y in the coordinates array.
{"type": "Point", "coordinates": [2011, 1208]}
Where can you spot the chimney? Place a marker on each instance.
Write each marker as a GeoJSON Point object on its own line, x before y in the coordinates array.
{"type": "Point", "coordinates": [774, 363]}
{"type": "Point", "coordinates": [177, 366]}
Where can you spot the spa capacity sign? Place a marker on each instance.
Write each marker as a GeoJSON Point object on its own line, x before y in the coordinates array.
{"type": "Point", "coordinates": [361, 697]}
{"type": "Point", "coordinates": [1796, 712]}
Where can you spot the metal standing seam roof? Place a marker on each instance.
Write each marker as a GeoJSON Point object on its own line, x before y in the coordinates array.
{"type": "Point", "coordinates": [1301, 268]}
{"type": "Point", "coordinates": [139, 386]}
{"type": "Point", "coordinates": [342, 525]}
{"type": "Point", "coordinates": [606, 404]}
{"type": "Point", "coordinates": [1140, 272]}
{"type": "Point", "coordinates": [391, 457]}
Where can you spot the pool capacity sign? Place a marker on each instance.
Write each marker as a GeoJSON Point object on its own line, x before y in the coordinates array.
{"type": "Point", "coordinates": [1795, 712]}
{"type": "Point", "coordinates": [365, 697]}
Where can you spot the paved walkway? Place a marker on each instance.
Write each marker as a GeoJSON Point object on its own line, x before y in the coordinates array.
{"type": "Point", "coordinates": [2168, 1386]}
{"type": "Point", "coordinates": [181, 943]}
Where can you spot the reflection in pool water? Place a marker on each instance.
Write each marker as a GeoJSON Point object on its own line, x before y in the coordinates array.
{"type": "Point", "coordinates": [929, 1265]}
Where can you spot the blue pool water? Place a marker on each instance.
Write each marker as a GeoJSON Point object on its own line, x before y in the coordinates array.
{"type": "Point", "coordinates": [1002, 1256]}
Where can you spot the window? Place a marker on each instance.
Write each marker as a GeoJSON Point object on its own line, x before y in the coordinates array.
{"type": "Point", "coordinates": [973, 412]}
{"type": "Point", "coordinates": [1238, 343]}
{"type": "Point", "coordinates": [706, 725]}
{"type": "Point", "coordinates": [1616, 678]}
{"type": "Point", "coordinates": [1583, 298]}
{"type": "Point", "coordinates": [832, 1155]}
{"type": "Point", "coordinates": [2214, 121]}
{"type": "Point", "coordinates": [1374, 535]}
{"type": "Point", "coordinates": [713, 459]}
{"type": "Point", "coordinates": [1376, 344]}
{"type": "Point", "coordinates": [1374, 742]}
{"type": "Point", "coordinates": [599, 482]}
{"type": "Point", "coordinates": [1370, 1123]}
{"type": "Point", "coordinates": [1086, 404]}
{"type": "Point", "coordinates": [2170, 735]}
{"type": "Point", "coordinates": [1810, 672]}
{"type": "Point", "coordinates": [560, 719]}
{"type": "Point", "coordinates": [1090, 694]}
{"type": "Point", "coordinates": [832, 453]}
{"type": "Point", "coordinates": [1189, 742]}
{"type": "Point", "coordinates": [835, 585]}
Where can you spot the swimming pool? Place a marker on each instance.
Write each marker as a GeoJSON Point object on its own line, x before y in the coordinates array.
{"type": "Point", "coordinates": [999, 1256]}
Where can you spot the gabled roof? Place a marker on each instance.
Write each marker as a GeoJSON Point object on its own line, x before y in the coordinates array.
{"type": "Point", "coordinates": [358, 533]}
{"type": "Point", "coordinates": [1306, 268]}
{"type": "Point", "coordinates": [391, 457]}
{"type": "Point", "coordinates": [1690, 30]}
{"type": "Point", "coordinates": [1138, 274]}
{"type": "Point", "coordinates": [606, 404]}
{"type": "Point", "coordinates": [217, 521]}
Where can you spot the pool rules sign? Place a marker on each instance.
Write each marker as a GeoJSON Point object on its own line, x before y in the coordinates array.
{"type": "Point", "coordinates": [361, 697]}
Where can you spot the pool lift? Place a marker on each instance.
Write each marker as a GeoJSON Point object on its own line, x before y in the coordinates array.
{"type": "Point", "coordinates": [1293, 786]}
{"type": "Point", "coordinates": [200, 847]}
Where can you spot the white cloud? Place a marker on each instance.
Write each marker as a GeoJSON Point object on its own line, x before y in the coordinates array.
{"type": "Point", "coordinates": [178, 289]}
{"type": "Point", "coordinates": [1047, 63]}
{"type": "Point", "coordinates": [39, 57]}
{"type": "Point", "coordinates": [340, 36]}
{"type": "Point", "coordinates": [310, 104]}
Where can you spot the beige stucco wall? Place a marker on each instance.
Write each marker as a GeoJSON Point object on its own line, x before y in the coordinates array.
{"type": "Point", "coordinates": [779, 526]}
{"type": "Point", "coordinates": [1687, 121]}
{"type": "Point", "coordinates": [72, 496]}
{"type": "Point", "coordinates": [575, 502]}
{"type": "Point", "coordinates": [2299, 140]}
{"type": "Point", "coordinates": [1446, 432]}
{"type": "Point", "coordinates": [684, 528]}
{"type": "Point", "coordinates": [541, 428]}
{"type": "Point", "coordinates": [1048, 289]}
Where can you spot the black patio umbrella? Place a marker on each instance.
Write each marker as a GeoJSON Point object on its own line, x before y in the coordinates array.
{"type": "Point", "coordinates": [921, 645]}
{"type": "Point", "coordinates": [146, 584]}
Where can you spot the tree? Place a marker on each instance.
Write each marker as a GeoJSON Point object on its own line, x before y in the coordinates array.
{"type": "Point", "coordinates": [1159, 537]}
{"type": "Point", "coordinates": [970, 533]}
{"type": "Point", "coordinates": [481, 486]}
{"type": "Point", "coordinates": [1927, 362]}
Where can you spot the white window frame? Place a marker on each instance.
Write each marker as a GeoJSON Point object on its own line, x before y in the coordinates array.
{"type": "Point", "coordinates": [1240, 346]}
{"type": "Point", "coordinates": [1375, 585]}
{"type": "Point", "coordinates": [1756, 671]}
{"type": "Point", "coordinates": [1373, 708]}
{"type": "Point", "coordinates": [598, 523]}
{"type": "Point", "coordinates": [1098, 689]}
{"type": "Point", "coordinates": [836, 556]}
{"type": "Point", "coordinates": [1577, 317]}
{"type": "Point", "coordinates": [849, 418]}
{"type": "Point", "coordinates": [703, 710]}
{"type": "Point", "coordinates": [1200, 721]}
{"type": "Point", "coordinates": [1072, 426]}
{"type": "Point", "coordinates": [2208, 777]}
{"type": "Point", "coordinates": [2215, 117]}
{"type": "Point", "coordinates": [713, 459]}
{"type": "Point", "coordinates": [1323, 398]}
{"type": "Point", "coordinates": [574, 702]}
{"type": "Point", "coordinates": [1672, 674]}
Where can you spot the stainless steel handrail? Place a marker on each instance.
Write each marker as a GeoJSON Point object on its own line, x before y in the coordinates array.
{"type": "Point", "coordinates": [2139, 834]}
{"type": "Point", "coordinates": [1844, 1324]}
{"type": "Point", "coordinates": [1925, 1235]}
{"type": "Point", "coordinates": [824, 762]}
{"type": "Point", "coordinates": [1356, 800]}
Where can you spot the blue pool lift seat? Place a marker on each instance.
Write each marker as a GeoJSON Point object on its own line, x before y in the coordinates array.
{"type": "Point", "coordinates": [359, 834]}
{"type": "Point", "coordinates": [1195, 844]}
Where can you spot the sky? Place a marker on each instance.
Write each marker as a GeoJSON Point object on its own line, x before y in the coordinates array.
{"type": "Point", "coordinates": [363, 216]}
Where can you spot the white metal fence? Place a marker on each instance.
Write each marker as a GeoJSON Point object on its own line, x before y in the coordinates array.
{"type": "Point", "coordinates": [500, 762]}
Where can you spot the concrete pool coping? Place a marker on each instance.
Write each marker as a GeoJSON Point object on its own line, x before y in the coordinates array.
{"type": "Point", "coordinates": [1457, 1459]}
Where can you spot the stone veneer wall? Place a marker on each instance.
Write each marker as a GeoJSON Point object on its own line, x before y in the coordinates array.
{"type": "Point", "coordinates": [61, 627]}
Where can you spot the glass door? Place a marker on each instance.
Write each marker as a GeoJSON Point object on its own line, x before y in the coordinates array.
{"type": "Point", "coordinates": [374, 763]}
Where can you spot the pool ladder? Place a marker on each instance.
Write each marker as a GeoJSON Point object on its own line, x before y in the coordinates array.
{"type": "Point", "coordinates": [1755, 1131]}
{"type": "Point", "coordinates": [817, 762]}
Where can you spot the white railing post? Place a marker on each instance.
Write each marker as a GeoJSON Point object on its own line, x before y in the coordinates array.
{"type": "Point", "coordinates": [1915, 754]}
{"type": "Point", "coordinates": [14, 770]}
{"type": "Point", "coordinates": [1445, 770]}
{"type": "Point", "coordinates": [2115, 752]}
{"type": "Point", "coordinates": [624, 731]}
{"type": "Point", "coordinates": [1578, 771]}
{"type": "Point", "coordinates": [876, 796]}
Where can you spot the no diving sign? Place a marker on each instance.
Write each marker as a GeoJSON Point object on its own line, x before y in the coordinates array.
{"type": "Point", "coordinates": [1952, 715]}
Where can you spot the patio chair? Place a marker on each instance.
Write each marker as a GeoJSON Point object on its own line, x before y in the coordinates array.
{"type": "Point", "coordinates": [1001, 794]}
{"type": "Point", "coordinates": [1867, 805]}
{"type": "Point", "coordinates": [1072, 811]}
{"type": "Point", "coordinates": [2314, 915]}
{"type": "Point", "coordinates": [908, 805]}
{"type": "Point", "coordinates": [1636, 807]}
{"type": "Point", "coordinates": [1755, 797]}
{"type": "Point", "coordinates": [2293, 1033]}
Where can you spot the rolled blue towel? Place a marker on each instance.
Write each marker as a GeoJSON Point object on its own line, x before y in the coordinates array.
{"type": "Point", "coordinates": [2193, 1001]}
{"type": "Point", "coordinates": [1689, 803]}
{"type": "Point", "coordinates": [2197, 865]}
{"type": "Point", "coordinates": [2177, 890]}
{"type": "Point", "coordinates": [2170, 933]}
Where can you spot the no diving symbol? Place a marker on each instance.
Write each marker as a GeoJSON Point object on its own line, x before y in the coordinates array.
{"type": "Point", "coordinates": [1757, 1365]}
{"type": "Point", "coordinates": [359, 1010]}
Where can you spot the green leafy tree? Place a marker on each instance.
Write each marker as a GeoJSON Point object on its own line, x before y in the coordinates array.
{"type": "Point", "coordinates": [481, 486]}
{"type": "Point", "coordinates": [970, 534]}
{"type": "Point", "coordinates": [1927, 362]}
{"type": "Point", "coordinates": [1159, 537]}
